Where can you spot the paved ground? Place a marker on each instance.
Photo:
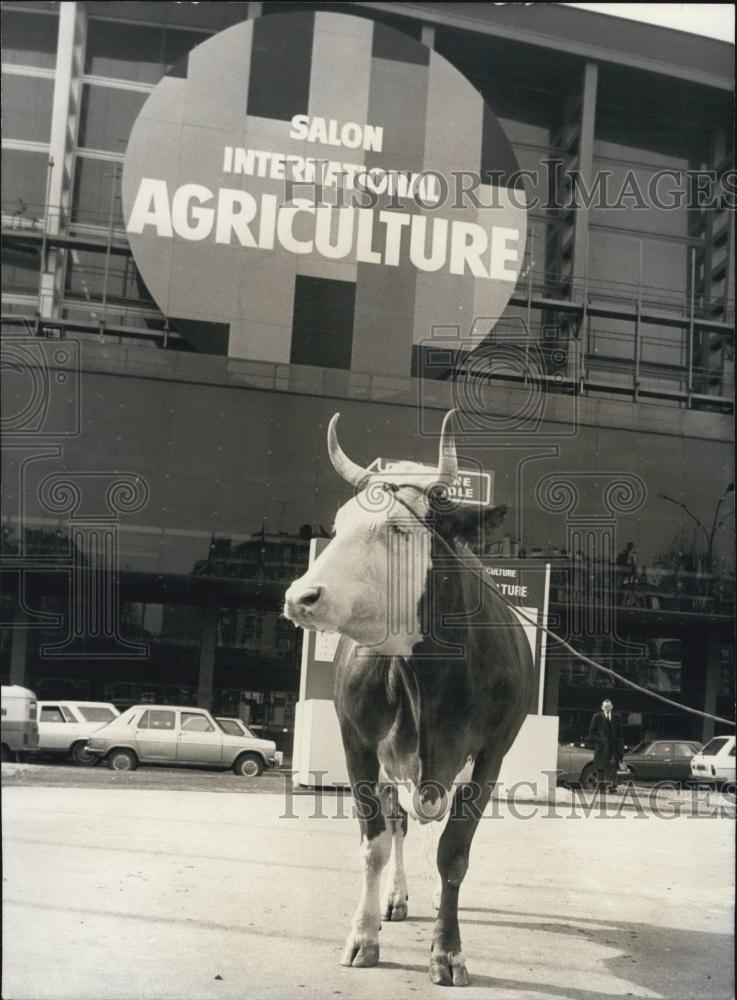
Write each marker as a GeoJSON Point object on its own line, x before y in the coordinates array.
{"type": "Point", "coordinates": [130, 892]}
{"type": "Point", "coordinates": [665, 796]}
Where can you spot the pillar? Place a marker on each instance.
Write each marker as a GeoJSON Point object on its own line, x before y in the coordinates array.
{"type": "Point", "coordinates": [712, 684]}
{"type": "Point", "coordinates": [208, 645]}
{"type": "Point", "coordinates": [19, 649]}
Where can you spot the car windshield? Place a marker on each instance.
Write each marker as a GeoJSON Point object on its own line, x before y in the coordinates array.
{"type": "Point", "coordinates": [713, 747]}
{"type": "Point", "coordinates": [96, 714]}
{"type": "Point", "coordinates": [640, 747]}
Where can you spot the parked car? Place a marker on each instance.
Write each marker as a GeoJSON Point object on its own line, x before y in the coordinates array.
{"type": "Point", "coordinates": [65, 726]}
{"type": "Point", "coordinates": [714, 763]}
{"type": "Point", "coordinates": [660, 760]}
{"type": "Point", "coordinates": [19, 729]}
{"type": "Point", "coordinates": [576, 765]}
{"type": "Point", "coordinates": [178, 735]}
{"type": "Point", "coordinates": [236, 727]}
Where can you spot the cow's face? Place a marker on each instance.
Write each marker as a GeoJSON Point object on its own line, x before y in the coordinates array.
{"type": "Point", "coordinates": [369, 581]}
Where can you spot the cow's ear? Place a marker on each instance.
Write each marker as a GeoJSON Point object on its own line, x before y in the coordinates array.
{"type": "Point", "coordinates": [472, 525]}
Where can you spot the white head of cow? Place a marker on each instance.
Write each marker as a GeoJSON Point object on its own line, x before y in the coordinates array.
{"type": "Point", "coordinates": [368, 582]}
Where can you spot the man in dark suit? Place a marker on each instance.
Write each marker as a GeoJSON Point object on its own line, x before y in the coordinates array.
{"type": "Point", "coordinates": [606, 732]}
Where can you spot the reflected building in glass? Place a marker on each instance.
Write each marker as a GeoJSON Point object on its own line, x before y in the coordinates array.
{"type": "Point", "coordinates": [162, 486]}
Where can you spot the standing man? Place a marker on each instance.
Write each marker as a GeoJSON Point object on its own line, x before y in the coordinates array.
{"type": "Point", "coordinates": [606, 731]}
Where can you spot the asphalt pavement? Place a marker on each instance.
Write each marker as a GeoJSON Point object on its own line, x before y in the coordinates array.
{"type": "Point", "coordinates": [131, 891]}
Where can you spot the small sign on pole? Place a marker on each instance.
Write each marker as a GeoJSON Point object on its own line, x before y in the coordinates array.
{"type": "Point", "coordinates": [469, 487]}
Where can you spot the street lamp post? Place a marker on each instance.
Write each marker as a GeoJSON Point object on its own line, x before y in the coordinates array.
{"type": "Point", "coordinates": [710, 534]}
{"type": "Point", "coordinates": [716, 526]}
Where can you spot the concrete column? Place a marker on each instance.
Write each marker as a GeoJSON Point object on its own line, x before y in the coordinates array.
{"type": "Point", "coordinates": [19, 650]}
{"type": "Point", "coordinates": [712, 683]}
{"type": "Point", "coordinates": [208, 645]}
{"type": "Point", "coordinates": [585, 167]}
{"type": "Point", "coordinates": [70, 55]}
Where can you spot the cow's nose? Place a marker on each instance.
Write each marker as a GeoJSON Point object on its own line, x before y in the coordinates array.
{"type": "Point", "coordinates": [305, 600]}
{"type": "Point", "coordinates": [309, 597]}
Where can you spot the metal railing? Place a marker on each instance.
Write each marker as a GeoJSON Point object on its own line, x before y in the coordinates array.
{"type": "Point", "coordinates": [583, 303]}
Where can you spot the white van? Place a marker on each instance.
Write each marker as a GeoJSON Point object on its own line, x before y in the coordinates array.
{"type": "Point", "coordinates": [65, 726]}
{"type": "Point", "coordinates": [19, 728]}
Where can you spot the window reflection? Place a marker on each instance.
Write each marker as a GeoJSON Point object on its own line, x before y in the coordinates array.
{"type": "Point", "coordinates": [30, 39]}
{"type": "Point", "coordinates": [127, 53]}
{"type": "Point", "coordinates": [107, 116]}
{"type": "Point", "coordinates": [264, 556]}
{"type": "Point", "coordinates": [27, 104]}
{"type": "Point", "coordinates": [25, 174]}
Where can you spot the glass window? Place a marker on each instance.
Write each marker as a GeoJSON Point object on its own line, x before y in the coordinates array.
{"type": "Point", "coordinates": [660, 750]}
{"type": "Point", "coordinates": [161, 719]}
{"type": "Point", "coordinates": [229, 726]}
{"type": "Point", "coordinates": [20, 268]}
{"type": "Point", "coordinates": [92, 189]}
{"type": "Point", "coordinates": [29, 39]}
{"type": "Point", "coordinates": [69, 715]}
{"type": "Point", "coordinates": [86, 278]}
{"type": "Point", "coordinates": [646, 115]}
{"type": "Point", "coordinates": [107, 117]}
{"type": "Point", "coordinates": [714, 746]}
{"type": "Point", "coordinates": [684, 750]}
{"type": "Point", "coordinates": [94, 714]}
{"type": "Point", "coordinates": [135, 52]}
{"type": "Point", "coordinates": [27, 102]}
{"type": "Point", "coordinates": [157, 719]}
{"type": "Point", "coordinates": [25, 174]}
{"type": "Point", "coordinates": [193, 722]}
{"type": "Point", "coordinates": [50, 713]}
{"type": "Point", "coordinates": [615, 268]}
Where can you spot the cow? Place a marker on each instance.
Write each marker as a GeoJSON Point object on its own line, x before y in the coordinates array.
{"type": "Point", "coordinates": [433, 679]}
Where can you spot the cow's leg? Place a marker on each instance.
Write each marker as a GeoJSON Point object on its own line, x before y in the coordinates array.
{"type": "Point", "coordinates": [394, 905]}
{"type": "Point", "coordinates": [447, 965]}
{"type": "Point", "coordinates": [437, 893]}
{"type": "Point", "coordinates": [362, 944]}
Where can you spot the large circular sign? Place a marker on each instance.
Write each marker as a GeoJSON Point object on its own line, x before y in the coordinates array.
{"type": "Point", "coordinates": [319, 175]}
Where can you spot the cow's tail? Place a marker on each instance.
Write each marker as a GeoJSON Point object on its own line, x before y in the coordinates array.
{"type": "Point", "coordinates": [429, 837]}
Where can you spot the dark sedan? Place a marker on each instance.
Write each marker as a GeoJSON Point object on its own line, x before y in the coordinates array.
{"type": "Point", "coordinates": [661, 760]}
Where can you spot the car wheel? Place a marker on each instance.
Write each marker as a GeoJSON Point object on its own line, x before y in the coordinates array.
{"type": "Point", "coordinates": [588, 777]}
{"type": "Point", "coordinates": [248, 765]}
{"type": "Point", "coordinates": [122, 760]}
{"type": "Point", "coordinates": [82, 756]}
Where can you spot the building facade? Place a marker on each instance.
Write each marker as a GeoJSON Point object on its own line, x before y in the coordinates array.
{"type": "Point", "coordinates": [163, 476]}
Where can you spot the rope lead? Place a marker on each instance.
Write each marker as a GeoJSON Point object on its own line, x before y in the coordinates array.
{"type": "Point", "coordinates": [489, 583]}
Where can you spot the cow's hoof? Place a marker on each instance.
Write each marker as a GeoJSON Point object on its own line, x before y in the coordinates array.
{"type": "Point", "coordinates": [395, 906]}
{"type": "Point", "coordinates": [448, 968]}
{"type": "Point", "coordinates": [360, 952]}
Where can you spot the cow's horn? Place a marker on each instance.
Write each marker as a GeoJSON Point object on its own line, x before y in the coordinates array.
{"type": "Point", "coordinates": [352, 473]}
{"type": "Point", "coordinates": [447, 460]}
